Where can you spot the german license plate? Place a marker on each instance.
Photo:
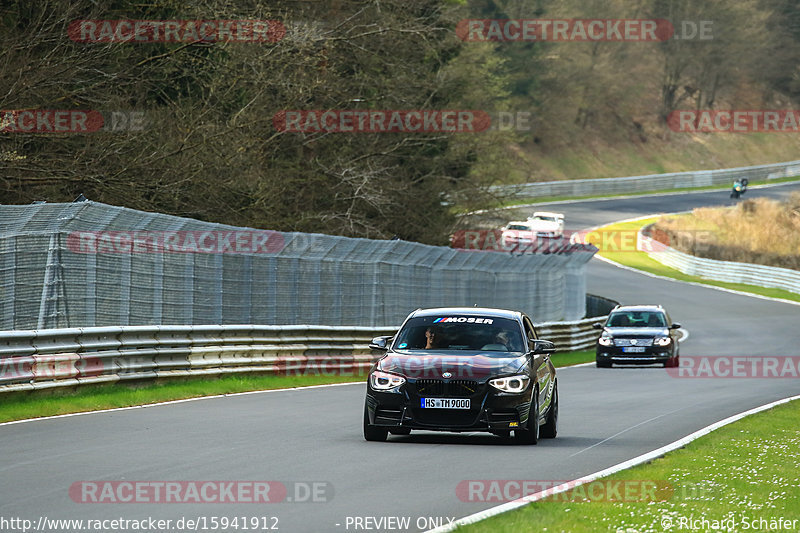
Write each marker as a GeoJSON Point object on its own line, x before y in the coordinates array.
{"type": "Point", "coordinates": [633, 349]}
{"type": "Point", "coordinates": [444, 403]}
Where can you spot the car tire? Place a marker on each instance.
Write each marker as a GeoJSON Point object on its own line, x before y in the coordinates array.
{"type": "Point", "coordinates": [602, 363]}
{"type": "Point", "coordinates": [672, 362]}
{"type": "Point", "coordinates": [400, 431]}
{"type": "Point", "coordinates": [530, 435]}
{"type": "Point", "coordinates": [373, 433]}
{"type": "Point", "coordinates": [549, 429]}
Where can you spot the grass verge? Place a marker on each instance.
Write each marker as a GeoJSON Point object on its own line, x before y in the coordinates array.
{"type": "Point", "coordinates": [738, 475]}
{"type": "Point", "coordinates": [622, 250]}
{"type": "Point", "coordinates": [572, 358]}
{"type": "Point", "coordinates": [36, 404]}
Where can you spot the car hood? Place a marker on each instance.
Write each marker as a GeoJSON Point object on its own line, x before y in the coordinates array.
{"type": "Point", "coordinates": [463, 365]}
{"type": "Point", "coordinates": [637, 332]}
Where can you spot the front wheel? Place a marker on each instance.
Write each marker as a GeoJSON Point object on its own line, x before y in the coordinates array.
{"type": "Point", "coordinates": [672, 362]}
{"type": "Point", "coordinates": [530, 435]}
{"type": "Point", "coordinates": [602, 363]}
{"type": "Point", "coordinates": [373, 433]}
{"type": "Point", "coordinates": [550, 428]}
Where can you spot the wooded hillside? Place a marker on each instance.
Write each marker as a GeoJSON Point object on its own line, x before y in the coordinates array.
{"type": "Point", "coordinates": [203, 143]}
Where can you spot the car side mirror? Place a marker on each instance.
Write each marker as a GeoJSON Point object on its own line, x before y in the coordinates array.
{"type": "Point", "coordinates": [380, 343]}
{"type": "Point", "coordinates": [675, 325]}
{"type": "Point", "coordinates": [539, 346]}
{"type": "Point", "coordinates": [597, 325]}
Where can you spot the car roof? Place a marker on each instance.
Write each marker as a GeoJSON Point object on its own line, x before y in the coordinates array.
{"type": "Point", "coordinates": [643, 307]}
{"type": "Point", "coordinates": [468, 311]}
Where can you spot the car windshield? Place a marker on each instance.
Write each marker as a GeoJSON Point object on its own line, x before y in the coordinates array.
{"type": "Point", "coordinates": [519, 227]}
{"type": "Point", "coordinates": [549, 219]}
{"type": "Point", "coordinates": [637, 319]}
{"type": "Point", "coordinates": [460, 332]}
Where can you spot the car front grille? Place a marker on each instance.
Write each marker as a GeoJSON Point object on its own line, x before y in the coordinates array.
{"type": "Point", "coordinates": [639, 342]}
{"type": "Point", "coordinates": [458, 388]}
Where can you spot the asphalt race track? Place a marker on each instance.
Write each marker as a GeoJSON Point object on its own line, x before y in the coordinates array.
{"type": "Point", "coordinates": [314, 435]}
{"type": "Point", "coordinates": [589, 213]}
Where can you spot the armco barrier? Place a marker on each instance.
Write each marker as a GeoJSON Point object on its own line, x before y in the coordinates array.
{"type": "Point", "coordinates": [570, 336]}
{"type": "Point", "coordinates": [727, 271]}
{"type": "Point", "coordinates": [651, 182]}
{"type": "Point", "coordinates": [42, 359]}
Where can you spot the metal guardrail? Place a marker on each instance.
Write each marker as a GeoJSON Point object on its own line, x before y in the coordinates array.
{"type": "Point", "coordinates": [728, 271]}
{"type": "Point", "coordinates": [571, 336]}
{"type": "Point", "coordinates": [43, 359]}
{"type": "Point", "coordinates": [651, 182]}
{"type": "Point", "coordinates": [37, 359]}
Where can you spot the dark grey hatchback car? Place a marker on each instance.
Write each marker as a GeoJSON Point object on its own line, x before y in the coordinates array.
{"type": "Point", "coordinates": [638, 334]}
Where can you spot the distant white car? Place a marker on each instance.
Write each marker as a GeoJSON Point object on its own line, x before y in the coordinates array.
{"type": "Point", "coordinates": [547, 224]}
{"type": "Point", "coordinates": [518, 233]}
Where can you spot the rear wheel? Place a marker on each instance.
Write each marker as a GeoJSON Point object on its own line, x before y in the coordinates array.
{"type": "Point", "coordinates": [530, 435]}
{"type": "Point", "coordinates": [550, 428]}
{"type": "Point", "coordinates": [373, 433]}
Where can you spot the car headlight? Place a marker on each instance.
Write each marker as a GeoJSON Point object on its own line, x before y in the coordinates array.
{"type": "Point", "coordinates": [511, 383]}
{"type": "Point", "coordinates": [606, 341]}
{"type": "Point", "coordinates": [385, 381]}
{"type": "Point", "coordinates": [663, 341]}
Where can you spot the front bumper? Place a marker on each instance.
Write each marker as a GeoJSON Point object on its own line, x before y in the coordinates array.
{"type": "Point", "coordinates": [490, 410]}
{"type": "Point", "coordinates": [652, 354]}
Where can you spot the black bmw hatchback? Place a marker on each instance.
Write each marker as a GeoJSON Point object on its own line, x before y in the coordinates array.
{"type": "Point", "coordinates": [463, 369]}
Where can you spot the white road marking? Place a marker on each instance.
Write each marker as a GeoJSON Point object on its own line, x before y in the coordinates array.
{"type": "Point", "coordinates": [628, 429]}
